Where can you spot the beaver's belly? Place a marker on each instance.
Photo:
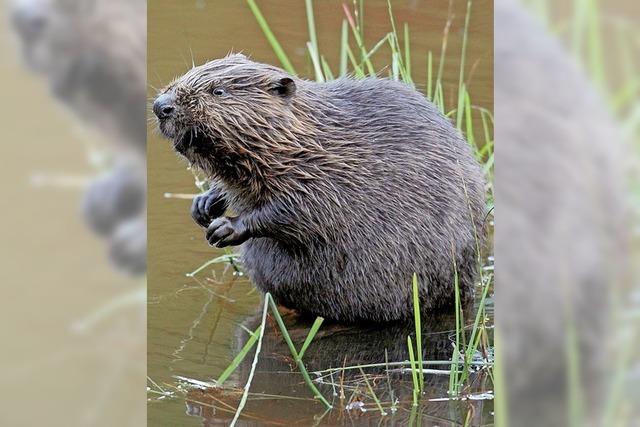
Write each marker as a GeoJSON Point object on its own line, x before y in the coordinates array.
{"type": "Point", "coordinates": [324, 284]}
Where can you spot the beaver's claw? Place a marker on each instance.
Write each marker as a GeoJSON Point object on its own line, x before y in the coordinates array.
{"type": "Point", "coordinates": [208, 206]}
{"type": "Point", "coordinates": [225, 231]}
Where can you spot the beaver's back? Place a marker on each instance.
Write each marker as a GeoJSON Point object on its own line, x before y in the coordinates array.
{"type": "Point", "coordinates": [408, 194]}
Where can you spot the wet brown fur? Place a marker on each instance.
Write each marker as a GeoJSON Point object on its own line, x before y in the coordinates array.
{"type": "Point", "coordinates": [342, 190]}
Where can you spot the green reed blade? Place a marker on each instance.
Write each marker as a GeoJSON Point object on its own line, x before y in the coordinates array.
{"type": "Point", "coordinates": [414, 374]}
{"type": "Point", "coordinates": [275, 45]}
{"type": "Point", "coordinates": [245, 393]}
{"type": "Point", "coordinates": [312, 333]}
{"type": "Point", "coordinates": [240, 356]}
{"type": "Point", "coordinates": [373, 394]}
{"type": "Point", "coordinates": [418, 326]}
{"type": "Point", "coordinates": [313, 44]}
{"type": "Point", "coordinates": [344, 44]}
{"type": "Point", "coordinates": [294, 352]}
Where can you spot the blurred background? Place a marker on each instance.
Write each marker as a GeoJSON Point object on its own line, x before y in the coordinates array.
{"type": "Point", "coordinates": [567, 212]}
{"type": "Point", "coordinates": [73, 306]}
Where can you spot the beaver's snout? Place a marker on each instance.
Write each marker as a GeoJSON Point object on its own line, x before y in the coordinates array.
{"type": "Point", "coordinates": [164, 106]}
{"type": "Point", "coordinates": [29, 20]}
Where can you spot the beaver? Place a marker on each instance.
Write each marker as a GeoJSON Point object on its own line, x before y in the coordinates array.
{"type": "Point", "coordinates": [341, 190]}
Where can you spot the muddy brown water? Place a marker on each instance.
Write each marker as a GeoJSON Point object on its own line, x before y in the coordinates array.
{"type": "Point", "coordinates": [195, 326]}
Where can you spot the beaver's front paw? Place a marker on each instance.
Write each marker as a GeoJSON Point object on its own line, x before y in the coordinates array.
{"type": "Point", "coordinates": [225, 231]}
{"type": "Point", "coordinates": [208, 206]}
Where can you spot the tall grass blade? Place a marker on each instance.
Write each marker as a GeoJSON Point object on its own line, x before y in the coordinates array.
{"type": "Point", "coordinates": [414, 374]}
{"type": "Point", "coordinates": [460, 109]}
{"type": "Point", "coordinates": [344, 44]}
{"type": "Point", "coordinates": [463, 56]}
{"type": "Point", "coordinates": [373, 394]}
{"type": "Point", "coordinates": [439, 97]}
{"type": "Point", "coordinates": [395, 66]}
{"type": "Point", "coordinates": [227, 258]}
{"type": "Point", "coordinates": [478, 327]}
{"type": "Point", "coordinates": [312, 333]}
{"type": "Point", "coordinates": [443, 52]}
{"type": "Point", "coordinates": [413, 416]}
{"type": "Point", "coordinates": [465, 35]}
{"type": "Point", "coordinates": [469, 121]}
{"type": "Point", "coordinates": [391, 393]}
{"type": "Point", "coordinates": [360, 12]}
{"type": "Point", "coordinates": [245, 393]}
{"type": "Point", "coordinates": [430, 76]}
{"type": "Point", "coordinates": [488, 139]}
{"type": "Point", "coordinates": [453, 375]}
{"type": "Point", "coordinates": [596, 57]}
{"type": "Point", "coordinates": [375, 48]}
{"type": "Point", "coordinates": [240, 357]}
{"type": "Point", "coordinates": [418, 326]}
{"type": "Point", "coordinates": [326, 69]}
{"type": "Point", "coordinates": [358, 72]}
{"type": "Point", "coordinates": [578, 26]}
{"type": "Point", "coordinates": [400, 70]}
{"type": "Point", "coordinates": [313, 44]}
{"type": "Point", "coordinates": [294, 352]}
{"type": "Point", "coordinates": [488, 165]}
{"type": "Point", "coordinates": [275, 45]}
{"type": "Point", "coordinates": [315, 60]}
{"type": "Point", "coordinates": [359, 41]}
{"type": "Point", "coordinates": [407, 50]}
{"type": "Point", "coordinates": [454, 379]}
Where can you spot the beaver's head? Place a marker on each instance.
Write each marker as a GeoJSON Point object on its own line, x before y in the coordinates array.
{"type": "Point", "coordinates": [230, 112]}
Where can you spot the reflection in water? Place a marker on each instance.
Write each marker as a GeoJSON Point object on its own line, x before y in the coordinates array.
{"type": "Point", "coordinates": [279, 395]}
{"type": "Point", "coordinates": [214, 333]}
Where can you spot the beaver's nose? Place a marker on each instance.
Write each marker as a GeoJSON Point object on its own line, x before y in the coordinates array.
{"type": "Point", "coordinates": [29, 19]}
{"type": "Point", "coordinates": [164, 106]}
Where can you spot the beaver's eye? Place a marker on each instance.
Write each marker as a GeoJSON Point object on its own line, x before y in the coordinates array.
{"type": "Point", "coordinates": [218, 91]}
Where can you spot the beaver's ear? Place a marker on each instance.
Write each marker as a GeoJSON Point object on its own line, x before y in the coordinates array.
{"type": "Point", "coordinates": [284, 87]}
